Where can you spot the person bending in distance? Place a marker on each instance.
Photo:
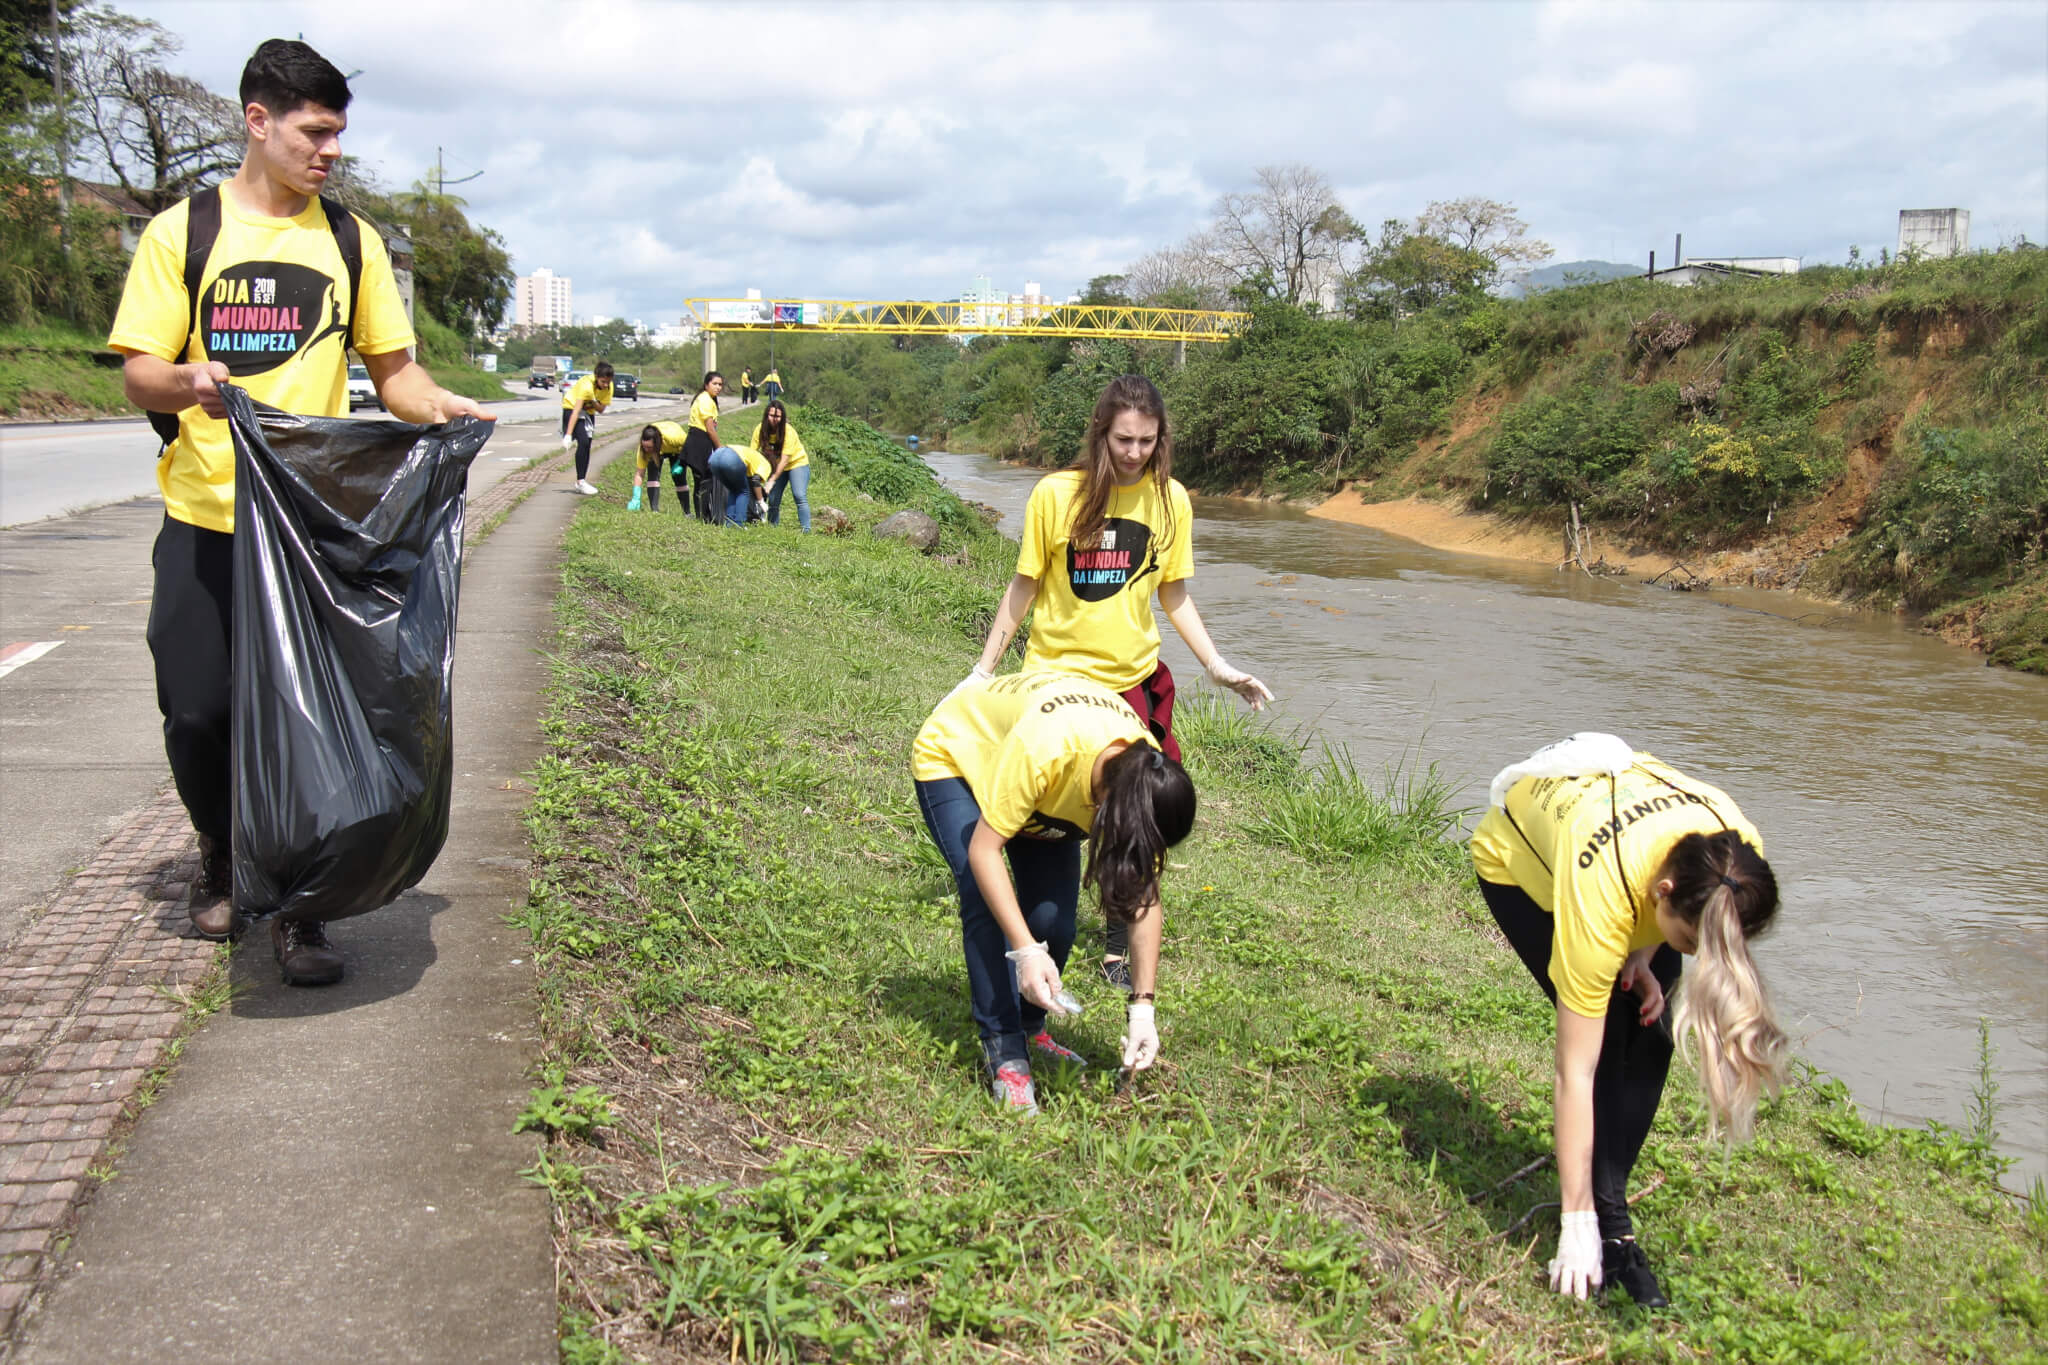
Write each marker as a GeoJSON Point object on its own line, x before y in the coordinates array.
{"type": "Point", "coordinates": [581, 403]}
{"type": "Point", "coordinates": [661, 446]}
{"type": "Point", "coordinates": [1100, 538]}
{"type": "Point", "coordinates": [275, 247]}
{"type": "Point", "coordinates": [1030, 765]}
{"type": "Point", "coordinates": [1604, 868]}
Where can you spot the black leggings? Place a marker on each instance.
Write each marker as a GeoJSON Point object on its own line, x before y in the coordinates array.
{"type": "Point", "coordinates": [697, 448]}
{"type": "Point", "coordinates": [582, 442]}
{"type": "Point", "coordinates": [191, 636]}
{"type": "Point", "coordinates": [1629, 1081]}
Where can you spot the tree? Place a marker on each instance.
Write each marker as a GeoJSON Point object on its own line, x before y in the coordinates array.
{"type": "Point", "coordinates": [1290, 229]}
{"type": "Point", "coordinates": [1486, 226]}
{"type": "Point", "coordinates": [160, 135]}
{"type": "Point", "coordinates": [1177, 277]}
{"type": "Point", "coordinates": [1105, 289]}
{"type": "Point", "coordinates": [462, 272]}
{"type": "Point", "coordinates": [1408, 272]}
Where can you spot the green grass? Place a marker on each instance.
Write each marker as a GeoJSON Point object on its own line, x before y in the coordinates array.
{"type": "Point", "coordinates": [769, 1138]}
{"type": "Point", "coordinates": [49, 372]}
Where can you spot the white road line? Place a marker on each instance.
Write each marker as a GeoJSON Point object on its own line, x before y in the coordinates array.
{"type": "Point", "coordinates": [27, 652]}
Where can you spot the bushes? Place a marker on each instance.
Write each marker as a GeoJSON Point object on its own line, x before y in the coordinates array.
{"type": "Point", "coordinates": [1265, 410]}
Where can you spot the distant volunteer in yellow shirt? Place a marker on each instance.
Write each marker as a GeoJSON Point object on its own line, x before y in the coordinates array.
{"type": "Point", "coordinates": [790, 463]}
{"type": "Point", "coordinates": [1029, 765]}
{"type": "Point", "coordinates": [1602, 866]}
{"type": "Point", "coordinates": [1100, 539]}
{"type": "Point", "coordinates": [661, 444]}
{"type": "Point", "coordinates": [272, 312]}
{"type": "Point", "coordinates": [699, 443]}
{"type": "Point", "coordinates": [581, 403]}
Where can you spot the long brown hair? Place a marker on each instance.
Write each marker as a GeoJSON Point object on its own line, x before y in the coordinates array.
{"type": "Point", "coordinates": [1147, 806]}
{"type": "Point", "coordinates": [1126, 393]}
{"type": "Point", "coordinates": [769, 445]}
{"type": "Point", "coordinates": [1724, 886]}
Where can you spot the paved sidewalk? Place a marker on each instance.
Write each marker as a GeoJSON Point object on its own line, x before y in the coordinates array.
{"type": "Point", "coordinates": [329, 1174]}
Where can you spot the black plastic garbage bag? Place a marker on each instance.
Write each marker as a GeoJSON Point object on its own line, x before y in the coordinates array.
{"type": "Point", "coordinates": [348, 561]}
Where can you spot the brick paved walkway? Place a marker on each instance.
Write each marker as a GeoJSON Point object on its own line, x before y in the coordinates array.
{"type": "Point", "coordinates": [93, 992]}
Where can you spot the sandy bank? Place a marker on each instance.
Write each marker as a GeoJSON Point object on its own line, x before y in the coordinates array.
{"type": "Point", "coordinates": [1443, 526]}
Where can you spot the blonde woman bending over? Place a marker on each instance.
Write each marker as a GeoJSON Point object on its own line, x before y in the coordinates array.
{"type": "Point", "coordinates": [1601, 866]}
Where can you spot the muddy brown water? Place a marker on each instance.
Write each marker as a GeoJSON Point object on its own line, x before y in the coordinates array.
{"type": "Point", "coordinates": [1901, 785]}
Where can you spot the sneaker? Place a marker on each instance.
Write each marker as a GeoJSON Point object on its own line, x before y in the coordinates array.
{"type": "Point", "coordinates": [1623, 1263]}
{"type": "Point", "coordinates": [212, 906]}
{"type": "Point", "coordinates": [1043, 1042]}
{"type": "Point", "coordinates": [304, 955]}
{"type": "Point", "coordinates": [1013, 1088]}
{"type": "Point", "coordinates": [1117, 972]}
{"type": "Point", "coordinates": [586, 488]}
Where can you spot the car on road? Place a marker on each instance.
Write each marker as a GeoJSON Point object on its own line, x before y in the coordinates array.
{"type": "Point", "coordinates": [361, 391]}
{"type": "Point", "coordinates": [626, 386]}
{"type": "Point", "coordinates": [537, 380]}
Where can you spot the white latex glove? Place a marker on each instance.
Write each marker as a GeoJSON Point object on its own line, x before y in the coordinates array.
{"type": "Point", "coordinates": [1575, 1270]}
{"type": "Point", "coordinates": [1038, 980]}
{"type": "Point", "coordinates": [569, 437]}
{"type": "Point", "coordinates": [979, 676]}
{"type": "Point", "coordinates": [1244, 684]}
{"type": "Point", "coordinates": [1141, 1049]}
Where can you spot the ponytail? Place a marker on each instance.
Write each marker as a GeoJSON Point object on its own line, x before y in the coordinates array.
{"type": "Point", "coordinates": [1147, 806]}
{"type": "Point", "coordinates": [1724, 887]}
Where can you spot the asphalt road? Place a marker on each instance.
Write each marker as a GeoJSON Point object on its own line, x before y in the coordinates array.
{"type": "Point", "coordinates": [61, 468]}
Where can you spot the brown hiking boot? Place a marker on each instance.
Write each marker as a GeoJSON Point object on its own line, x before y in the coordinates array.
{"type": "Point", "coordinates": [304, 955]}
{"type": "Point", "coordinates": [212, 906]}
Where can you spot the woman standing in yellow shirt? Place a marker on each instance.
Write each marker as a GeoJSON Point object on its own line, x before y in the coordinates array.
{"type": "Point", "coordinates": [581, 403]}
{"type": "Point", "coordinates": [1100, 537]}
{"type": "Point", "coordinates": [790, 463]}
{"type": "Point", "coordinates": [701, 441]}
{"type": "Point", "coordinates": [1030, 765]}
{"type": "Point", "coordinates": [1602, 866]}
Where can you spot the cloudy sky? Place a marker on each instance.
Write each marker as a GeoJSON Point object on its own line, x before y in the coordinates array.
{"type": "Point", "coordinates": [656, 151]}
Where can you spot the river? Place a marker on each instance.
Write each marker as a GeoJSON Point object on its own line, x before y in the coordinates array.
{"type": "Point", "coordinates": [1901, 786]}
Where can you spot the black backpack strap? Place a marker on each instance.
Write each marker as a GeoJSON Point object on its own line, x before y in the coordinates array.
{"type": "Point", "coordinates": [348, 235]}
{"type": "Point", "coordinates": [202, 229]}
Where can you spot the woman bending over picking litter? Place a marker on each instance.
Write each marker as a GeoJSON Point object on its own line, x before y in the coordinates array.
{"type": "Point", "coordinates": [790, 463]}
{"type": "Point", "coordinates": [1030, 765]}
{"type": "Point", "coordinates": [1099, 539]}
{"type": "Point", "coordinates": [1601, 866]}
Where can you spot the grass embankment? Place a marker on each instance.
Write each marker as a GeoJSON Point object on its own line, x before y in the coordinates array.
{"type": "Point", "coordinates": [768, 1131]}
{"type": "Point", "coordinates": [48, 372]}
{"type": "Point", "coordinates": [1880, 435]}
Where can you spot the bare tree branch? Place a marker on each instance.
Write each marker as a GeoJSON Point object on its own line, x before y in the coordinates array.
{"type": "Point", "coordinates": [1487, 226]}
{"type": "Point", "coordinates": [159, 135]}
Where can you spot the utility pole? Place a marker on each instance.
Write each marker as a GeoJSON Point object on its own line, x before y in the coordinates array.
{"type": "Point", "coordinates": [63, 140]}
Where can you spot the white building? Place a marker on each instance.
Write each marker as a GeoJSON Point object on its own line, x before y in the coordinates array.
{"type": "Point", "coordinates": [1029, 306]}
{"type": "Point", "coordinates": [542, 300]}
{"type": "Point", "coordinates": [1934, 232]}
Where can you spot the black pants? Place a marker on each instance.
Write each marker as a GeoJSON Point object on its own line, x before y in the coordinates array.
{"type": "Point", "coordinates": [696, 456]}
{"type": "Point", "coordinates": [582, 442]}
{"type": "Point", "coordinates": [191, 632]}
{"type": "Point", "coordinates": [1634, 1060]}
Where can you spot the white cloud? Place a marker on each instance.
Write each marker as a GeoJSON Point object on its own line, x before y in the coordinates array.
{"type": "Point", "coordinates": [657, 151]}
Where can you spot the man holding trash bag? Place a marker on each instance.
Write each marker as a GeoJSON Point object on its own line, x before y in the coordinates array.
{"type": "Point", "coordinates": [261, 282]}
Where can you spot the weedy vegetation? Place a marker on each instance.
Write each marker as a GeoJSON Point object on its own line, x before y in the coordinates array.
{"type": "Point", "coordinates": [765, 1130]}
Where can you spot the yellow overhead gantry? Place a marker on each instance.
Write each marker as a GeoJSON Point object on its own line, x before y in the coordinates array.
{"type": "Point", "coordinates": [1129, 322]}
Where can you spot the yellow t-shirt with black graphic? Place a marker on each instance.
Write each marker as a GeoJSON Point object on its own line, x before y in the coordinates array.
{"type": "Point", "coordinates": [588, 394]}
{"type": "Point", "coordinates": [1567, 863]}
{"type": "Point", "coordinates": [703, 412]}
{"type": "Point", "coordinates": [1094, 611]}
{"type": "Point", "coordinates": [1025, 744]}
{"type": "Point", "coordinates": [273, 309]}
{"type": "Point", "coordinates": [672, 436]}
{"type": "Point", "coordinates": [792, 447]}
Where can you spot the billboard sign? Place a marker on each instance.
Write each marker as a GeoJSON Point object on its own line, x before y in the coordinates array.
{"type": "Point", "coordinates": [735, 312]}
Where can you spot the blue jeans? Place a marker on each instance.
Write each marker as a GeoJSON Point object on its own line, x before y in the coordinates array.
{"type": "Point", "coordinates": [798, 481]}
{"type": "Point", "coordinates": [1047, 874]}
{"type": "Point", "coordinates": [730, 471]}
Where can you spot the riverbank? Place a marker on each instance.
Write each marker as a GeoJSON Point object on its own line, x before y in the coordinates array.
{"type": "Point", "coordinates": [768, 1135]}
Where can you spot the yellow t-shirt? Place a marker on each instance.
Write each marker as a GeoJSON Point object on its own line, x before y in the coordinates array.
{"type": "Point", "coordinates": [1574, 826]}
{"type": "Point", "coordinates": [703, 412]}
{"type": "Point", "coordinates": [792, 446]}
{"type": "Point", "coordinates": [746, 380]}
{"type": "Point", "coordinates": [588, 394]}
{"type": "Point", "coordinates": [1094, 612]}
{"type": "Point", "coordinates": [672, 435]}
{"type": "Point", "coordinates": [1026, 744]}
{"type": "Point", "coordinates": [756, 466]}
{"type": "Point", "coordinates": [274, 306]}
{"type": "Point", "coordinates": [772, 377]}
